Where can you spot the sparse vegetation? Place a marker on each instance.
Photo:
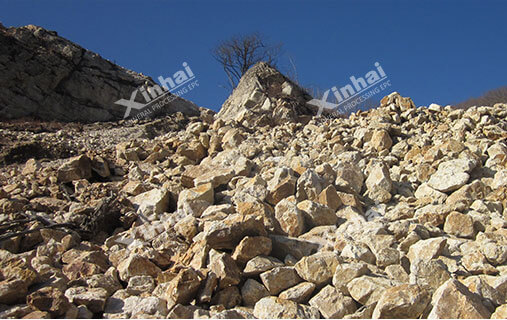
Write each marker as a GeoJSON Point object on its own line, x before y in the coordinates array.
{"type": "Point", "coordinates": [487, 99]}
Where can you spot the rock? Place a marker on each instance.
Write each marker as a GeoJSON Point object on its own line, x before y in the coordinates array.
{"type": "Point", "coordinates": [227, 233]}
{"type": "Point", "coordinates": [332, 304]}
{"type": "Point", "coordinates": [291, 219]}
{"type": "Point", "coordinates": [427, 194]}
{"type": "Point", "coordinates": [451, 175]}
{"type": "Point", "coordinates": [183, 288]}
{"type": "Point", "coordinates": [298, 248]}
{"type": "Point", "coordinates": [404, 301]}
{"type": "Point", "coordinates": [379, 183]}
{"type": "Point", "coordinates": [137, 265]}
{"type": "Point", "coordinates": [277, 308]}
{"type": "Point", "coordinates": [50, 300]}
{"type": "Point", "coordinates": [155, 201]}
{"type": "Point", "coordinates": [429, 274]}
{"type": "Point", "coordinates": [93, 298]}
{"type": "Point", "coordinates": [279, 279]}
{"type": "Point", "coordinates": [358, 251]}
{"type": "Point", "coordinates": [139, 284]}
{"type": "Point", "coordinates": [453, 300]}
{"type": "Point", "coordinates": [282, 185]}
{"type": "Point", "coordinates": [500, 312]}
{"type": "Point", "coordinates": [316, 214]}
{"type": "Point", "coordinates": [252, 291]}
{"type": "Point", "coordinates": [349, 178]}
{"type": "Point", "coordinates": [347, 272]}
{"type": "Point", "coordinates": [318, 268]}
{"type": "Point", "coordinates": [74, 84]}
{"type": "Point", "coordinates": [200, 193]}
{"type": "Point", "coordinates": [228, 297]}
{"type": "Point", "coordinates": [330, 198]}
{"type": "Point", "coordinates": [300, 293]}
{"type": "Point", "coordinates": [187, 227]}
{"type": "Point", "coordinates": [367, 289]}
{"type": "Point", "coordinates": [426, 249]}
{"type": "Point", "coordinates": [75, 169]}
{"type": "Point", "coordinates": [251, 247]}
{"type": "Point", "coordinates": [261, 264]}
{"type": "Point", "coordinates": [12, 291]}
{"type": "Point", "coordinates": [309, 186]}
{"type": "Point", "coordinates": [459, 224]}
{"type": "Point", "coordinates": [225, 269]}
{"type": "Point", "coordinates": [381, 140]}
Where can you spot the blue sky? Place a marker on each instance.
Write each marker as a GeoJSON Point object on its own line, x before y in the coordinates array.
{"type": "Point", "coordinates": [433, 51]}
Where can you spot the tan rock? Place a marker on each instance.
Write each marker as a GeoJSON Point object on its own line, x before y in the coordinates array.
{"type": "Point", "coordinates": [500, 312]}
{"type": "Point", "coordinates": [290, 218]}
{"type": "Point", "coordinates": [318, 268]}
{"type": "Point", "coordinates": [404, 301]}
{"type": "Point", "coordinates": [261, 264]}
{"type": "Point", "coordinates": [225, 269]}
{"type": "Point", "coordinates": [251, 247]}
{"type": "Point", "coordinates": [429, 274]}
{"type": "Point", "coordinates": [49, 299]}
{"type": "Point", "coordinates": [453, 300]}
{"type": "Point", "coordinates": [277, 308]}
{"type": "Point", "coordinates": [75, 169]}
{"type": "Point", "coordinates": [300, 293]}
{"type": "Point", "coordinates": [379, 183]}
{"type": "Point", "coordinates": [183, 288]}
{"type": "Point", "coordinates": [137, 265]}
{"type": "Point", "coordinates": [228, 297]}
{"type": "Point", "coordinates": [367, 289]}
{"type": "Point", "coordinates": [332, 304]}
{"type": "Point", "coordinates": [155, 201]}
{"type": "Point", "coordinates": [227, 233]}
{"type": "Point", "coordinates": [330, 198]}
{"type": "Point", "coordinates": [316, 214]}
{"type": "Point", "coordinates": [381, 140]}
{"type": "Point", "coordinates": [93, 298]}
{"type": "Point", "coordinates": [252, 291]}
{"type": "Point", "coordinates": [426, 249]}
{"type": "Point", "coordinates": [347, 272]}
{"type": "Point", "coordinates": [279, 279]}
{"type": "Point", "coordinates": [459, 224]}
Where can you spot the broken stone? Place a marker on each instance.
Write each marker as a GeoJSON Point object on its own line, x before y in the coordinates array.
{"type": "Point", "coordinates": [251, 247]}
{"type": "Point", "coordinates": [404, 301]}
{"type": "Point", "coordinates": [279, 279]}
{"type": "Point", "coordinates": [332, 304]}
{"type": "Point", "coordinates": [252, 291]}
{"type": "Point", "coordinates": [300, 293]}
{"type": "Point", "coordinates": [318, 268]}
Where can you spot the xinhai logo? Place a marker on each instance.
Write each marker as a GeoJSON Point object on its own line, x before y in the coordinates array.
{"type": "Point", "coordinates": [152, 94]}
{"type": "Point", "coordinates": [358, 90]}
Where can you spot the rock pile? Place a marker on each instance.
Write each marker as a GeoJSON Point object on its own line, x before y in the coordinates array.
{"type": "Point", "coordinates": [48, 77]}
{"type": "Point", "coordinates": [394, 212]}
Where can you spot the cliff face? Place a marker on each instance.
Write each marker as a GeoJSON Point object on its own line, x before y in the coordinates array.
{"type": "Point", "coordinates": [46, 76]}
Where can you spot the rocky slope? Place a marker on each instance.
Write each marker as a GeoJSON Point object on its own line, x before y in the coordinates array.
{"type": "Point", "coordinates": [391, 213]}
{"type": "Point", "coordinates": [48, 77]}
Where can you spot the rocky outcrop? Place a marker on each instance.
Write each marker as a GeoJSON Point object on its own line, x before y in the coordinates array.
{"type": "Point", "coordinates": [45, 76]}
{"type": "Point", "coordinates": [264, 96]}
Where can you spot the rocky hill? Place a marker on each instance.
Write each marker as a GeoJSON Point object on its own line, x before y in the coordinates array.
{"type": "Point", "coordinates": [260, 211]}
{"type": "Point", "coordinates": [48, 77]}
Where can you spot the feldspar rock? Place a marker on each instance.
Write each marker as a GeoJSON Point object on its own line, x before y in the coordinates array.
{"type": "Point", "coordinates": [260, 264]}
{"type": "Point", "coordinates": [279, 279]}
{"type": "Point", "coordinates": [183, 288]}
{"type": "Point", "coordinates": [291, 219]}
{"type": "Point", "coordinates": [252, 291]}
{"type": "Point", "coordinates": [426, 249]}
{"type": "Point", "coordinates": [347, 272]}
{"type": "Point", "coordinates": [50, 300]}
{"type": "Point", "coordinates": [309, 186]}
{"type": "Point", "coordinates": [137, 265]}
{"type": "Point", "coordinates": [226, 234]}
{"type": "Point", "coordinates": [349, 177]}
{"type": "Point", "coordinates": [300, 293]}
{"type": "Point", "coordinates": [203, 193]}
{"type": "Point", "coordinates": [459, 224]}
{"type": "Point", "coordinates": [251, 247]}
{"type": "Point", "coordinates": [140, 284]}
{"type": "Point", "coordinates": [404, 301]}
{"type": "Point", "coordinates": [316, 214]}
{"type": "Point", "coordinates": [379, 183]}
{"type": "Point", "coordinates": [318, 268]}
{"type": "Point", "coordinates": [228, 297]}
{"type": "Point", "coordinates": [368, 289]}
{"type": "Point", "coordinates": [330, 198]}
{"type": "Point", "coordinates": [381, 140]}
{"type": "Point", "coordinates": [332, 304]}
{"type": "Point", "coordinates": [429, 274]}
{"type": "Point", "coordinates": [298, 248]}
{"type": "Point", "coordinates": [500, 312]}
{"type": "Point", "coordinates": [75, 169]}
{"type": "Point", "coordinates": [93, 298]}
{"type": "Point", "coordinates": [454, 300]}
{"type": "Point", "coordinates": [277, 308]}
{"type": "Point", "coordinates": [451, 175]}
{"type": "Point", "coordinates": [155, 201]}
{"type": "Point", "coordinates": [225, 269]}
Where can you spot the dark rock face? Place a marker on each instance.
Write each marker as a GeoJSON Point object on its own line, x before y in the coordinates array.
{"type": "Point", "coordinates": [46, 76]}
{"type": "Point", "coordinates": [264, 96]}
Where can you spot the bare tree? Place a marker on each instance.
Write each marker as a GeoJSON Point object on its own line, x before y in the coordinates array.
{"type": "Point", "coordinates": [239, 53]}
